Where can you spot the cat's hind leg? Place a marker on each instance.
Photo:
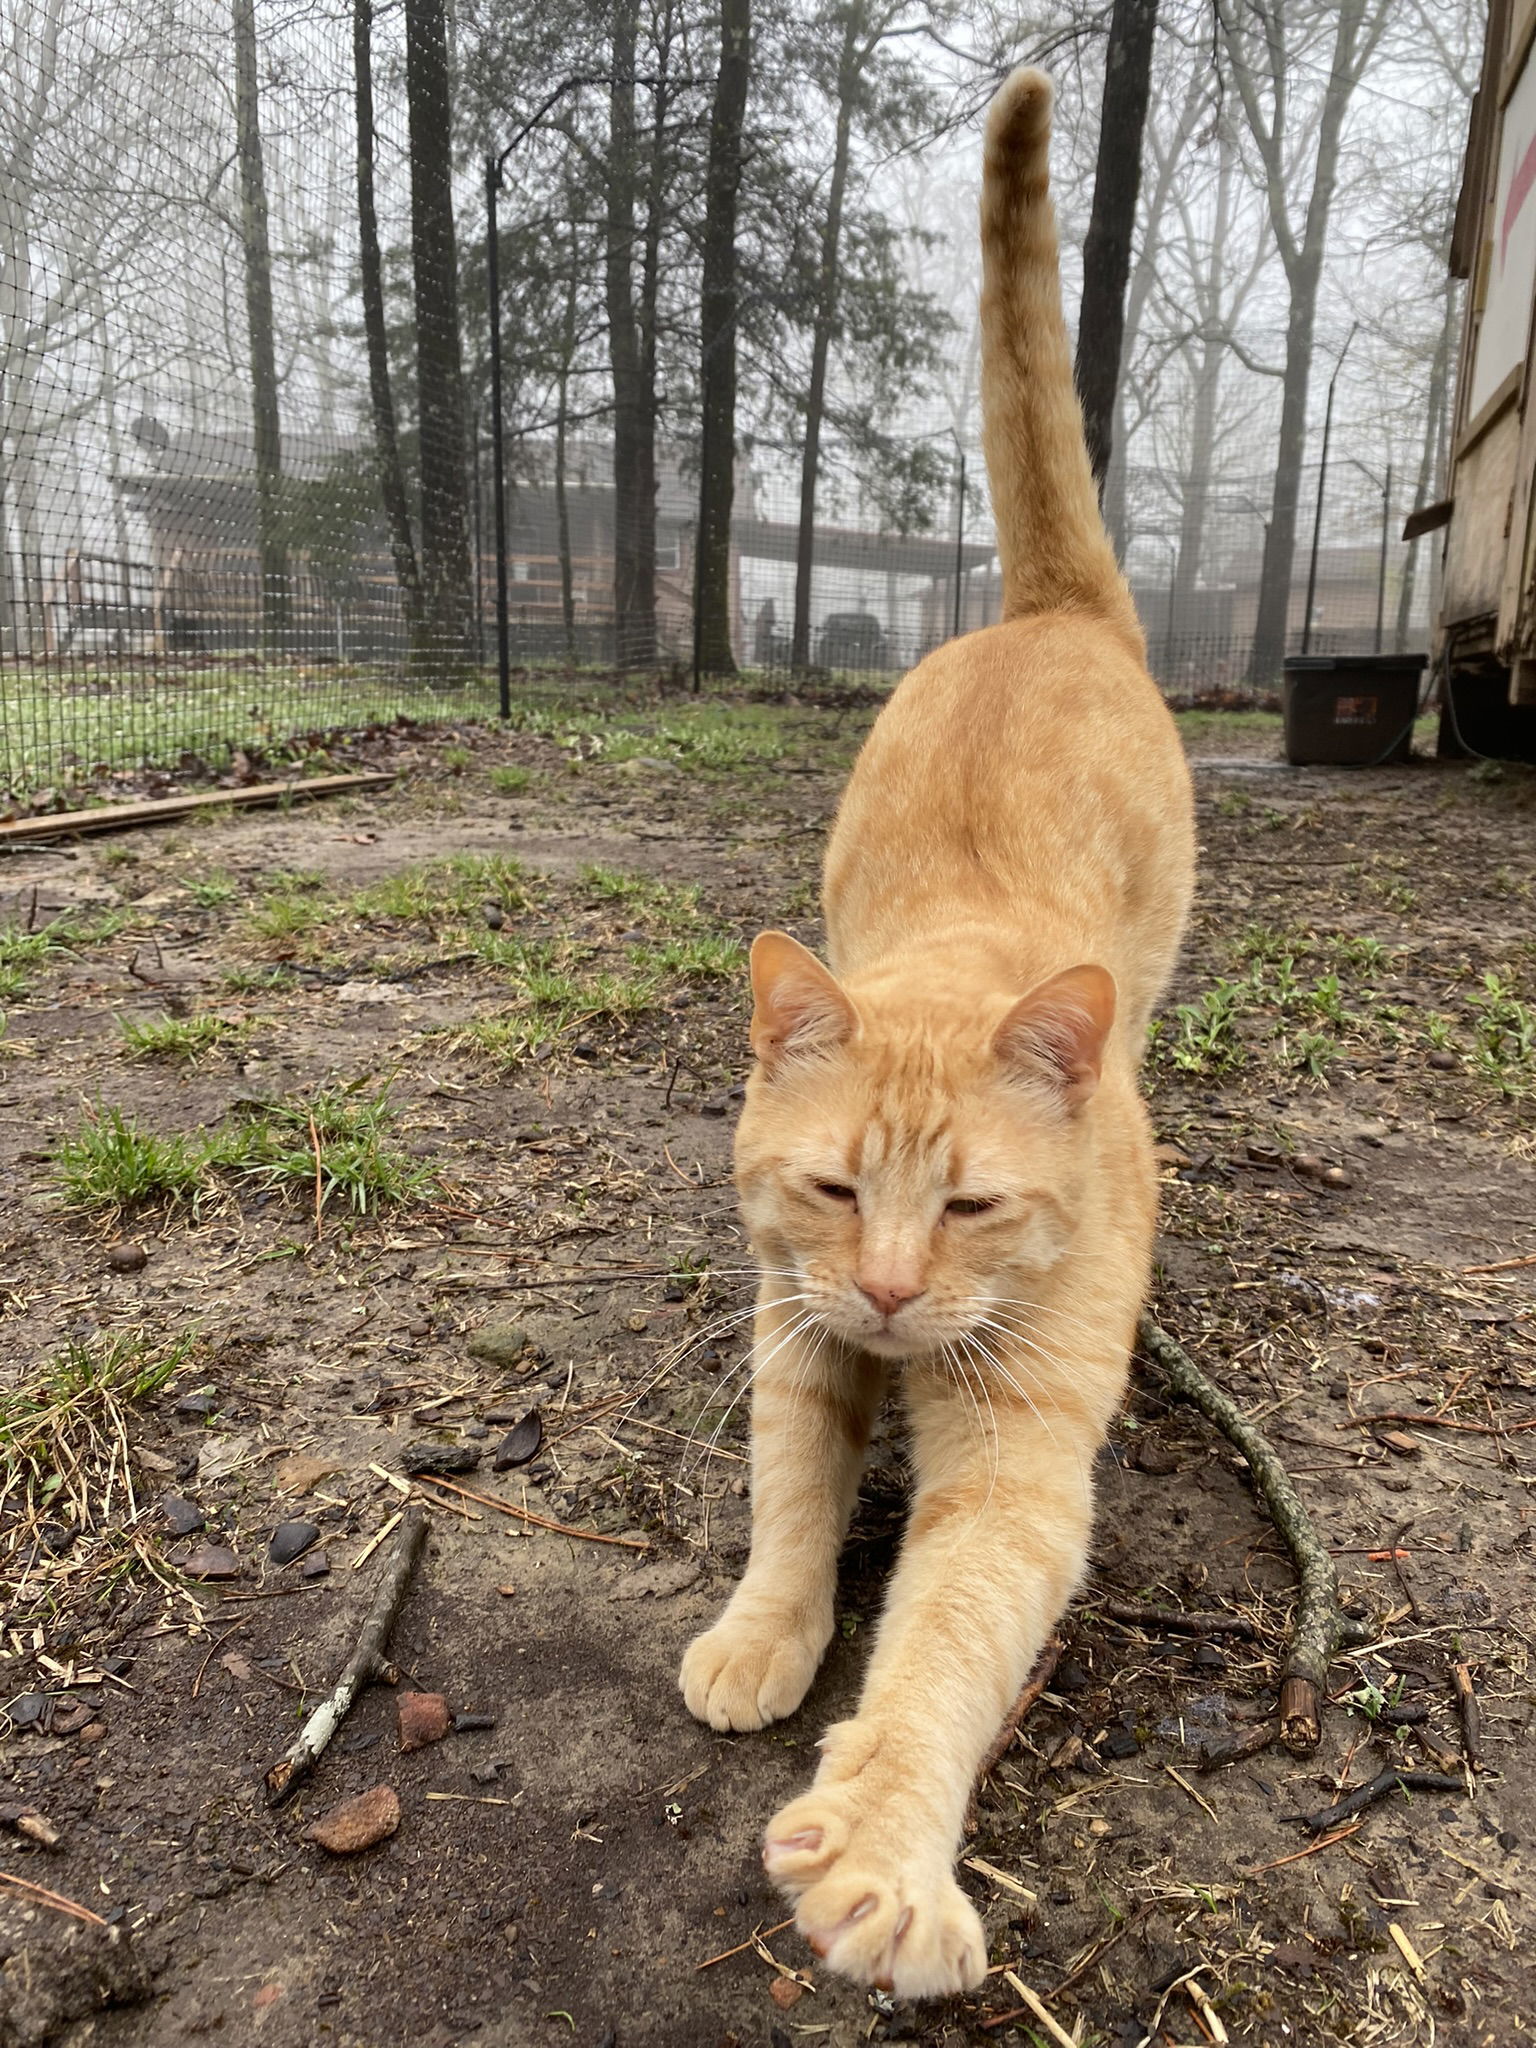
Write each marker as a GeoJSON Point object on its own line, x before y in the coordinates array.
{"type": "Point", "coordinates": [813, 1405]}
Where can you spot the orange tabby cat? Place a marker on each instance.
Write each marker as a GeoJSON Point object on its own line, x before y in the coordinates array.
{"type": "Point", "coordinates": [944, 1162]}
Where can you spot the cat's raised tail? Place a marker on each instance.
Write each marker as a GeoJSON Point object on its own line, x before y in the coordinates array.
{"type": "Point", "coordinates": [1055, 552]}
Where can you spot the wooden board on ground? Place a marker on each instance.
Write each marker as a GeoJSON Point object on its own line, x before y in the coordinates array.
{"type": "Point", "coordinates": [112, 817]}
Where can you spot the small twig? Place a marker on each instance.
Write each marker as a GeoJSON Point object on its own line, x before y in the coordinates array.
{"type": "Point", "coordinates": [1380, 1787]}
{"type": "Point", "coordinates": [1236, 1749]}
{"type": "Point", "coordinates": [1036, 1683]}
{"type": "Point", "coordinates": [1038, 2007]}
{"type": "Point", "coordinates": [1345, 1834]}
{"type": "Point", "coordinates": [197, 1683]}
{"type": "Point", "coordinates": [364, 1665]}
{"type": "Point", "coordinates": [1423, 1421]}
{"type": "Point", "coordinates": [1471, 1716]}
{"type": "Point", "coordinates": [742, 1946]}
{"type": "Point", "coordinates": [1319, 1627]}
{"type": "Point", "coordinates": [1173, 1619]}
{"type": "Point", "coordinates": [26, 1820]}
{"type": "Point", "coordinates": [56, 1900]}
{"type": "Point", "coordinates": [1503, 1265]}
{"type": "Point", "coordinates": [1396, 1556]}
{"type": "Point", "coordinates": [314, 1139]}
{"type": "Point", "coordinates": [503, 1507]}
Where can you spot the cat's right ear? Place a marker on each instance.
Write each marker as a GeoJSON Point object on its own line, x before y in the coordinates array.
{"type": "Point", "coordinates": [798, 1006]}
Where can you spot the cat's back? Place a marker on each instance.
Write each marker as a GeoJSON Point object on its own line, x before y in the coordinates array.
{"type": "Point", "coordinates": [1027, 771]}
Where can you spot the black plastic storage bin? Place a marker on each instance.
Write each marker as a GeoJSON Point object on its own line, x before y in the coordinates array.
{"type": "Point", "coordinates": [1350, 710]}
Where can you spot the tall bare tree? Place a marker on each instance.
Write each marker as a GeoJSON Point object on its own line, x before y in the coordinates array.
{"type": "Point", "coordinates": [266, 423]}
{"type": "Point", "coordinates": [1112, 224]}
{"type": "Point", "coordinates": [447, 588]}
{"type": "Point", "coordinates": [386, 439]}
{"type": "Point", "coordinates": [1272, 47]}
{"type": "Point", "coordinates": [717, 343]}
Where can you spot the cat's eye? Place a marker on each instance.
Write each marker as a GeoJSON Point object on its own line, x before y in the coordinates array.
{"type": "Point", "coordinates": [970, 1205]}
{"type": "Point", "coordinates": [836, 1191]}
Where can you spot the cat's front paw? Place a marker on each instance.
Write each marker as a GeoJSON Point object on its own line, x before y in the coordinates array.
{"type": "Point", "coordinates": [751, 1668]}
{"type": "Point", "coordinates": [872, 1900]}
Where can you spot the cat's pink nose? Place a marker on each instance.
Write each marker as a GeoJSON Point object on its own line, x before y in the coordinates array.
{"type": "Point", "coordinates": [890, 1295]}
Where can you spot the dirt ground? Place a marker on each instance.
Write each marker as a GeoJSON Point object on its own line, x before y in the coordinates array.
{"type": "Point", "coordinates": [526, 953]}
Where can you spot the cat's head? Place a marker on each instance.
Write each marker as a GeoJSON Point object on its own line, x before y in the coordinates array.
{"type": "Point", "coordinates": [911, 1159]}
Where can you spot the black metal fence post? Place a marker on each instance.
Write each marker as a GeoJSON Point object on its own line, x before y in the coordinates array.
{"type": "Point", "coordinates": [498, 469]}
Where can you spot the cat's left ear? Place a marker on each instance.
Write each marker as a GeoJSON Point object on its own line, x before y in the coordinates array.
{"type": "Point", "coordinates": [1057, 1033]}
{"type": "Point", "coordinates": [799, 1007]}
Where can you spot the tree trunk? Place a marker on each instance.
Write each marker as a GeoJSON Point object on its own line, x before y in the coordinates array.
{"type": "Point", "coordinates": [850, 64]}
{"type": "Point", "coordinates": [386, 440]}
{"type": "Point", "coordinates": [266, 424]}
{"type": "Point", "coordinates": [1303, 259]}
{"type": "Point", "coordinates": [1430, 455]}
{"type": "Point", "coordinates": [1112, 223]}
{"type": "Point", "coordinates": [445, 568]}
{"type": "Point", "coordinates": [717, 341]}
{"type": "Point", "coordinates": [1202, 423]}
{"type": "Point", "coordinates": [562, 428]}
{"type": "Point", "coordinates": [634, 622]}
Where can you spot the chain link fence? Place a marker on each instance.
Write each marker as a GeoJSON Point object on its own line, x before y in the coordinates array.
{"type": "Point", "coordinates": [200, 552]}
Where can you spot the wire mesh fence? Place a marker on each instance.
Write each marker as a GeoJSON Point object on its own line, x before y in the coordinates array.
{"type": "Point", "coordinates": [247, 459]}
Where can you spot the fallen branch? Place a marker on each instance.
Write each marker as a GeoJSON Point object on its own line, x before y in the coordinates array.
{"type": "Point", "coordinates": [1036, 1683]}
{"type": "Point", "coordinates": [1380, 1787]}
{"type": "Point", "coordinates": [366, 1663]}
{"type": "Point", "coordinates": [1172, 1620]}
{"type": "Point", "coordinates": [505, 1507]}
{"type": "Point", "coordinates": [1471, 1715]}
{"type": "Point", "coordinates": [55, 1900]}
{"type": "Point", "coordinates": [1421, 1421]}
{"type": "Point", "coordinates": [1320, 1627]}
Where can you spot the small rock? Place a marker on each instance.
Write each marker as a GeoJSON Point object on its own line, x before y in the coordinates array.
{"type": "Point", "coordinates": [785, 1992]}
{"type": "Point", "coordinates": [209, 1561]}
{"type": "Point", "coordinates": [291, 1540]}
{"type": "Point", "coordinates": [501, 1417]}
{"type": "Point", "coordinates": [1294, 1957]}
{"type": "Point", "coordinates": [184, 1517]}
{"type": "Point", "coordinates": [500, 1343]}
{"type": "Point", "coordinates": [473, 1724]}
{"type": "Point", "coordinates": [1209, 1658]}
{"type": "Point", "coordinates": [1121, 1744]}
{"type": "Point", "coordinates": [637, 1321]}
{"type": "Point", "coordinates": [202, 1402]}
{"type": "Point", "coordinates": [424, 1718]}
{"type": "Point", "coordinates": [316, 1566]}
{"type": "Point", "coordinates": [359, 1823]}
{"type": "Point", "coordinates": [716, 1108]}
{"type": "Point", "coordinates": [127, 1258]}
{"type": "Point", "coordinates": [1264, 1155]}
{"type": "Point", "coordinates": [495, 917]}
{"type": "Point", "coordinates": [1335, 1177]}
{"type": "Point", "coordinates": [27, 1709]}
{"type": "Point", "coordinates": [485, 1774]}
{"type": "Point", "coordinates": [476, 1430]}
{"type": "Point", "coordinates": [1442, 1062]}
{"type": "Point", "coordinates": [1156, 1459]}
{"type": "Point", "coordinates": [93, 1731]}
{"type": "Point", "coordinates": [1338, 1390]}
{"type": "Point", "coordinates": [520, 1444]}
{"type": "Point", "coordinates": [447, 1459]}
{"type": "Point", "coordinates": [1309, 1165]}
{"type": "Point", "coordinates": [632, 938]}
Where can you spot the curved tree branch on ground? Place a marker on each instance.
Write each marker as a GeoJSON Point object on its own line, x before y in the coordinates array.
{"type": "Point", "coordinates": [1320, 1626]}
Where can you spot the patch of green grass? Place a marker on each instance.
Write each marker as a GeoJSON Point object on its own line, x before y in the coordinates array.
{"type": "Point", "coordinates": [1315, 1054]}
{"type": "Point", "coordinates": [341, 1135]}
{"type": "Point", "coordinates": [446, 892]}
{"type": "Point", "coordinates": [255, 981]}
{"type": "Point", "coordinates": [287, 909]}
{"type": "Point", "coordinates": [502, 1042]}
{"type": "Point", "coordinates": [179, 1041]}
{"type": "Point", "coordinates": [1200, 725]}
{"type": "Point", "coordinates": [455, 759]}
{"type": "Point", "coordinates": [209, 891]}
{"type": "Point", "coordinates": [510, 781]}
{"type": "Point", "coordinates": [109, 1162]}
{"type": "Point", "coordinates": [1200, 1038]}
{"type": "Point", "coordinates": [712, 956]}
{"type": "Point", "coordinates": [117, 856]}
{"type": "Point", "coordinates": [1504, 1048]}
{"type": "Point", "coordinates": [21, 950]}
{"type": "Point", "coordinates": [665, 906]}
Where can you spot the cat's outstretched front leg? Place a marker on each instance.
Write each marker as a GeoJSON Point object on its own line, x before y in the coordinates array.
{"type": "Point", "coordinates": [813, 1404]}
{"type": "Point", "coordinates": [994, 1550]}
